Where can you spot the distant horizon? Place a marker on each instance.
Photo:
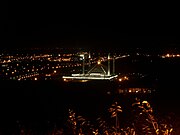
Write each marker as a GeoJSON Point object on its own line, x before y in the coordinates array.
{"type": "Point", "coordinates": [127, 49]}
{"type": "Point", "coordinates": [91, 45]}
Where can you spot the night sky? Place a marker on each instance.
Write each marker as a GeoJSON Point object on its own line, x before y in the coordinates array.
{"type": "Point", "coordinates": [40, 24]}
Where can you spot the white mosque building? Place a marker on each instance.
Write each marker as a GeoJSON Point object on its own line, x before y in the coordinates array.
{"type": "Point", "coordinates": [97, 72]}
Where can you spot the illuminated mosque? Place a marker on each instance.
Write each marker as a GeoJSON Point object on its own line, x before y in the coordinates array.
{"type": "Point", "coordinates": [96, 72]}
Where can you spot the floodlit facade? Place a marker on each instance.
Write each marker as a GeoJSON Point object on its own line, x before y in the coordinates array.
{"type": "Point", "coordinates": [97, 72]}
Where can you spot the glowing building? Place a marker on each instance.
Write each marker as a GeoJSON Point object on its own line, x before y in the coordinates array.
{"type": "Point", "coordinates": [97, 72]}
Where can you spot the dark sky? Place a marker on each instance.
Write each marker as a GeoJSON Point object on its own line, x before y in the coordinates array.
{"type": "Point", "coordinates": [40, 24]}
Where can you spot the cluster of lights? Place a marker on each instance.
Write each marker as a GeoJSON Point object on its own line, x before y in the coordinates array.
{"type": "Point", "coordinates": [123, 78]}
{"type": "Point", "coordinates": [41, 57]}
{"type": "Point", "coordinates": [27, 70]}
{"type": "Point", "coordinates": [135, 90]}
{"type": "Point", "coordinates": [105, 58]}
{"type": "Point", "coordinates": [24, 77]}
{"type": "Point", "coordinates": [17, 68]}
{"type": "Point", "coordinates": [170, 55]}
{"type": "Point", "coordinates": [23, 66]}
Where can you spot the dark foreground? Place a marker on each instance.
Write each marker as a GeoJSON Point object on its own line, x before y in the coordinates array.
{"type": "Point", "coordinates": [40, 106]}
